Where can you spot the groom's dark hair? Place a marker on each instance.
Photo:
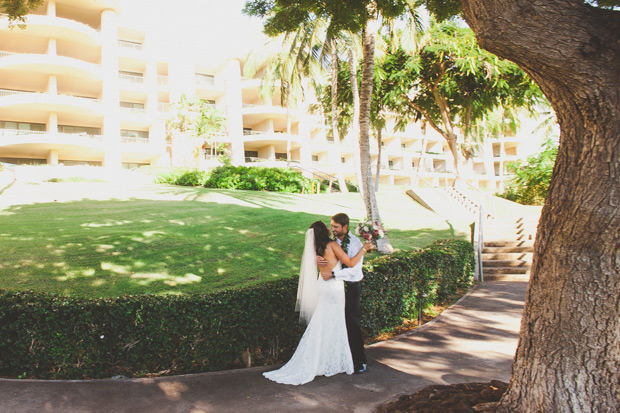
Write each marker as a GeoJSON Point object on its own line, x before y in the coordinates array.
{"type": "Point", "coordinates": [341, 218]}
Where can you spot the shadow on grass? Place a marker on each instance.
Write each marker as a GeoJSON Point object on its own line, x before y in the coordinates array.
{"type": "Point", "coordinates": [110, 248]}
{"type": "Point", "coordinates": [203, 240]}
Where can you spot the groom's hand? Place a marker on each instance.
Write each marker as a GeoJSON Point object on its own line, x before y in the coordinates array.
{"type": "Point", "coordinates": [321, 262]}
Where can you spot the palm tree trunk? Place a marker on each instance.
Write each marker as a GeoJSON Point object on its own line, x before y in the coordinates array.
{"type": "Point", "coordinates": [356, 114]}
{"type": "Point", "coordinates": [334, 95]}
{"type": "Point", "coordinates": [378, 175]}
{"type": "Point", "coordinates": [368, 41]}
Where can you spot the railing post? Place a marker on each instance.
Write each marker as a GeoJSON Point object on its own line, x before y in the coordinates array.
{"type": "Point", "coordinates": [478, 243]}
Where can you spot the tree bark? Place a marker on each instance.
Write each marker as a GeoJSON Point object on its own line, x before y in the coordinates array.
{"type": "Point", "coordinates": [370, 201]}
{"type": "Point", "coordinates": [568, 357]}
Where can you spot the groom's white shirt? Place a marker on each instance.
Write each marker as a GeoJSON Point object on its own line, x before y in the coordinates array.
{"type": "Point", "coordinates": [354, 273]}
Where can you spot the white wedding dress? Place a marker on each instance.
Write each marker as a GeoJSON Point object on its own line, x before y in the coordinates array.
{"type": "Point", "coordinates": [324, 348]}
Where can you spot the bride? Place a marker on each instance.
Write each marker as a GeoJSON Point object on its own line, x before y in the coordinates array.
{"type": "Point", "coordinates": [324, 348]}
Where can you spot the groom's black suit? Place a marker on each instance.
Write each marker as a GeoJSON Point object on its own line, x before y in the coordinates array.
{"type": "Point", "coordinates": [353, 313]}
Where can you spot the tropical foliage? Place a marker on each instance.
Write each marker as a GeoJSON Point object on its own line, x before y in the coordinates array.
{"type": "Point", "coordinates": [530, 184]}
{"type": "Point", "coordinates": [452, 84]}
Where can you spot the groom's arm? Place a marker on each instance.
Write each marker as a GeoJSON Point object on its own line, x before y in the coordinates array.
{"type": "Point", "coordinates": [346, 274]}
{"type": "Point", "coordinates": [350, 274]}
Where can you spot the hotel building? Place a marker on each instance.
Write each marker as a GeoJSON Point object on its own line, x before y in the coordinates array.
{"type": "Point", "coordinates": [79, 87]}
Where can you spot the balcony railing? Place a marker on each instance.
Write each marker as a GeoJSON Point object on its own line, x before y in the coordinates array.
{"type": "Point", "coordinates": [130, 45]}
{"type": "Point", "coordinates": [162, 80]}
{"type": "Point", "coordinates": [9, 92]}
{"type": "Point", "coordinates": [133, 110]}
{"type": "Point", "coordinates": [127, 139]}
{"type": "Point", "coordinates": [21, 132]}
{"type": "Point", "coordinates": [82, 135]}
{"type": "Point", "coordinates": [163, 107]}
{"type": "Point", "coordinates": [15, 132]}
{"type": "Point", "coordinates": [131, 78]}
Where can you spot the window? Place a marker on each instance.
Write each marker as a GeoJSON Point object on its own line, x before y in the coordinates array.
{"type": "Point", "coordinates": [22, 126]}
{"type": "Point", "coordinates": [247, 131]}
{"type": "Point", "coordinates": [315, 158]}
{"type": "Point", "coordinates": [251, 156]}
{"type": "Point", "coordinates": [343, 160]}
{"type": "Point", "coordinates": [280, 156]}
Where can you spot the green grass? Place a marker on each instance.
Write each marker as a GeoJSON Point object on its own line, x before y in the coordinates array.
{"type": "Point", "coordinates": [98, 240]}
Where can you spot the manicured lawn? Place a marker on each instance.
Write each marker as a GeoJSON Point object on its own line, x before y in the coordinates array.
{"type": "Point", "coordinates": [98, 239]}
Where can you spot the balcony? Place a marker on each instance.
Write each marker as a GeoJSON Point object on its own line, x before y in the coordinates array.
{"type": "Point", "coordinates": [268, 136]}
{"type": "Point", "coordinates": [39, 143]}
{"type": "Point", "coordinates": [44, 65]}
{"type": "Point", "coordinates": [38, 105]}
{"type": "Point", "coordinates": [54, 27]}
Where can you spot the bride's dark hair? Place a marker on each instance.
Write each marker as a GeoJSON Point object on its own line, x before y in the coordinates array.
{"type": "Point", "coordinates": [321, 237]}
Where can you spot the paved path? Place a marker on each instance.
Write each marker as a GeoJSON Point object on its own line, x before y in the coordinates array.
{"type": "Point", "coordinates": [472, 341]}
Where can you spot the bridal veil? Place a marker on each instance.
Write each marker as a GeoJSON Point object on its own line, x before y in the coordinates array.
{"type": "Point", "coordinates": [308, 287]}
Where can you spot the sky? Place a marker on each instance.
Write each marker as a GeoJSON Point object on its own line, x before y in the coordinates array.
{"type": "Point", "coordinates": [213, 28]}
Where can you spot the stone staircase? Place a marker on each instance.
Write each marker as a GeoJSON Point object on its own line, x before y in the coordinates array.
{"type": "Point", "coordinates": [508, 248]}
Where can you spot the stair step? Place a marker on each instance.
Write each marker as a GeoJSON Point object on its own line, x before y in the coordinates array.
{"type": "Point", "coordinates": [490, 250]}
{"type": "Point", "coordinates": [526, 256]}
{"type": "Point", "coordinates": [506, 270]}
{"type": "Point", "coordinates": [505, 243]}
{"type": "Point", "coordinates": [505, 263]}
{"type": "Point", "coordinates": [505, 277]}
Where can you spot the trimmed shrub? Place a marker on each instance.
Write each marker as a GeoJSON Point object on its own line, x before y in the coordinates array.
{"type": "Point", "coordinates": [257, 178]}
{"type": "Point", "coordinates": [49, 336]}
{"type": "Point", "coordinates": [182, 176]}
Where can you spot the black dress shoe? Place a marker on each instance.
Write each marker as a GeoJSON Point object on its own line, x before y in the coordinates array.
{"type": "Point", "coordinates": [362, 370]}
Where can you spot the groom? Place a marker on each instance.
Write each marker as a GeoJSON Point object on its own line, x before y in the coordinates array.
{"type": "Point", "coordinates": [352, 278]}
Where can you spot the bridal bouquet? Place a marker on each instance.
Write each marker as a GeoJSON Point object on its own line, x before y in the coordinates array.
{"type": "Point", "coordinates": [370, 231]}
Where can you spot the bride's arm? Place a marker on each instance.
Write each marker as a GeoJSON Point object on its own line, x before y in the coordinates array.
{"type": "Point", "coordinates": [344, 258]}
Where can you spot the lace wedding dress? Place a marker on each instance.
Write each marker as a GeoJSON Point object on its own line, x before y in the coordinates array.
{"type": "Point", "coordinates": [324, 348]}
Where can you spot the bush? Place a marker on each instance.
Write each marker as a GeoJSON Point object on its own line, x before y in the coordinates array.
{"type": "Point", "coordinates": [257, 178]}
{"type": "Point", "coordinates": [48, 336]}
{"type": "Point", "coordinates": [182, 176]}
{"type": "Point", "coordinates": [238, 177]}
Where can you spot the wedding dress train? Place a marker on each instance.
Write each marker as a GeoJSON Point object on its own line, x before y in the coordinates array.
{"type": "Point", "coordinates": [324, 348]}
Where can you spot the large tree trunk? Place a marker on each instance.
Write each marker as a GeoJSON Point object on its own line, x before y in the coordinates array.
{"type": "Point", "coordinates": [368, 194]}
{"type": "Point", "coordinates": [568, 357]}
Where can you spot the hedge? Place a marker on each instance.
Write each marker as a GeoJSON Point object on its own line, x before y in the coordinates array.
{"type": "Point", "coordinates": [54, 337]}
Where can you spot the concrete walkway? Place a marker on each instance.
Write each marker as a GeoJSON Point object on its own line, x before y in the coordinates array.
{"type": "Point", "coordinates": [472, 341]}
